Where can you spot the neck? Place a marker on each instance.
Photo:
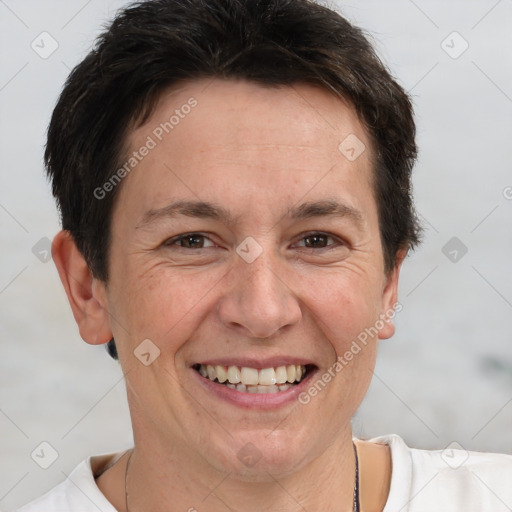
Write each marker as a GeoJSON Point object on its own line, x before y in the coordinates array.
{"type": "Point", "coordinates": [159, 475]}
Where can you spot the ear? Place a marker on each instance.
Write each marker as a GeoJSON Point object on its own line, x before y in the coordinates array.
{"type": "Point", "coordinates": [390, 298]}
{"type": "Point", "coordinates": [86, 295]}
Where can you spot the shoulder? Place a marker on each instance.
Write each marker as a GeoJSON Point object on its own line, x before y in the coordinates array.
{"type": "Point", "coordinates": [452, 479]}
{"type": "Point", "coordinates": [78, 492]}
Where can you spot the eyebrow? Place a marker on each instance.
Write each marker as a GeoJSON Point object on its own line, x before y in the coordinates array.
{"type": "Point", "coordinates": [208, 210]}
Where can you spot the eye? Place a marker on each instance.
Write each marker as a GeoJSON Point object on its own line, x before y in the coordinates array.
{"type": "Point", "coordinates": [189, 241]}
{"type": "Point", "coordinates": [319, 241]}
{"type": "Point", "coordinates": [315, 240]}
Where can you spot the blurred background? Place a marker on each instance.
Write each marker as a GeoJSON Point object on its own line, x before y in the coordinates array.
{"type": "Point", "coordinates": [445, 377]}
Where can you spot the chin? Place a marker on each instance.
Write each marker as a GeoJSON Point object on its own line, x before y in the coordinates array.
{"type": "Point", "coordinates": [258, 457]}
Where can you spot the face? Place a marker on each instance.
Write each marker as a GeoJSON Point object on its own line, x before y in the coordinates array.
{"type": "Point", "coordinates": [273, 258]}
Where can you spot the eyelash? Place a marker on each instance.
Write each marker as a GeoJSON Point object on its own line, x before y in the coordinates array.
{"type": "Point", "coordinates": [170, 242]}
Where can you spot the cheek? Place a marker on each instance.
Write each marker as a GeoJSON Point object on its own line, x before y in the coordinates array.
{"type": "Point", "coordinates": [345, 302]}
{"type": "Point", "coordinates": [164, 304]}
{"type": "Point", "coordinates": [346, 312]}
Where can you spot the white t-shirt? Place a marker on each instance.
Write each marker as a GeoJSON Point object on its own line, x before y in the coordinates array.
{"type": "Point", "coordinates": [421, 481]}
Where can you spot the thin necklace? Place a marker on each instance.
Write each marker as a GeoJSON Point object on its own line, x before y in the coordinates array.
{"type": "Point", "coordinates": [355, 507]}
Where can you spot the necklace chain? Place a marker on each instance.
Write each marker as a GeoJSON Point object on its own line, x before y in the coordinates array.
{"type": "Point", "coordinates": [355, 507]}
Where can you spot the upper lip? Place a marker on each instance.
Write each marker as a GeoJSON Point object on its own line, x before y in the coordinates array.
{"type": "Point", "coordinates": [258, 363]}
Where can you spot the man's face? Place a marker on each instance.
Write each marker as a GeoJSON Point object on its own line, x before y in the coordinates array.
{"type": "Point", "coordinates": [280, 283]}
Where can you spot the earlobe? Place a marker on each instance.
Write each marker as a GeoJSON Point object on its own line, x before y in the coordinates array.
{"type": "Point", "coordinates": [86, 295]}
{"type": "Point", "coordinates": [390, 299]}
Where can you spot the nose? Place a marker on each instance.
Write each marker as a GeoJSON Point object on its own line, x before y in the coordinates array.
{"type": "Point", "coordinates": [259, 300]}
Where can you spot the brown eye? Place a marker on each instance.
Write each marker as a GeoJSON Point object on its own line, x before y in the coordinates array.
{"type": "Point", "coordinates": [316, 241]}
{"type": "Point", "coordinates": [189, 241]}
{"type": "Point", "coordinates": [319, 241]}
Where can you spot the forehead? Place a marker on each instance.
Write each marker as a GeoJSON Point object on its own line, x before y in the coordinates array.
{"type": "Point", "coordinates": [215, 138]}
{"type": "Point", "coordinates": [259, 108]}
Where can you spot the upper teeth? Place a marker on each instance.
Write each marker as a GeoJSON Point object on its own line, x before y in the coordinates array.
{"type": "Point", "coordinates": [251, 376]}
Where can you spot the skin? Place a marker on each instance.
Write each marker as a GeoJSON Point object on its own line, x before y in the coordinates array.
{"type": "Point", "coordinates": [258, 152]}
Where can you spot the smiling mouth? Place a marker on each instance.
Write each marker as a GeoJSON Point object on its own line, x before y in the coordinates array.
{"type": "Point", "coordinates": [252, 380]}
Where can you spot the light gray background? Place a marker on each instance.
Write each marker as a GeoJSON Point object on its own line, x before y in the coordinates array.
{"type": "Point", "coordinates": [445, 376]}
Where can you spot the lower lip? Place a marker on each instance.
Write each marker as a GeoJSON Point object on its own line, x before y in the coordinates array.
{"type": "Point", "coordinates": [255, 400]}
